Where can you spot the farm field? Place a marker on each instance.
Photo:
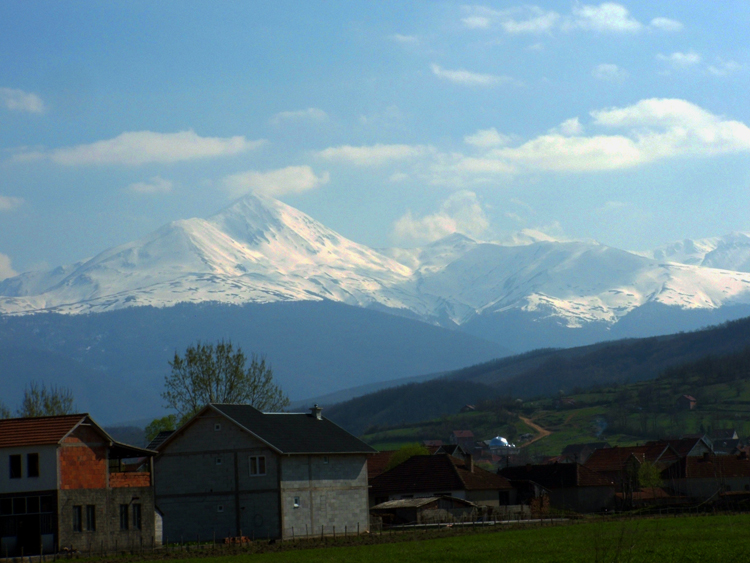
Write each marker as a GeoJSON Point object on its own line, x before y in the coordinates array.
{"type": "Point", "coordinates": [686, 538]}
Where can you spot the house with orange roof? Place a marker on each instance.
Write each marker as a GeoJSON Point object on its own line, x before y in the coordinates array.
{"type": "Point", "coordinates": [67, 484]}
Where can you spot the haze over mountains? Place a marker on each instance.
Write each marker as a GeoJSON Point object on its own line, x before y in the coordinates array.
{"type": "Point", "coordinates": [332, 314]}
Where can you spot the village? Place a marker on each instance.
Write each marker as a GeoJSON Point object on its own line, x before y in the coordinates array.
{"type": "Point", "coordinates": [233, 474]}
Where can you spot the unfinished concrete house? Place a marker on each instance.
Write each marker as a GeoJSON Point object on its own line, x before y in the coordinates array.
{"type": "Point", "coordinates": [233, 470]}
{"type": "Point", "coordinates": [65, 483]}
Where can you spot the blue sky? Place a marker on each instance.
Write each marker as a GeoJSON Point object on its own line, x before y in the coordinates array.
{"type": "Point", "coordinates": [394, 123]}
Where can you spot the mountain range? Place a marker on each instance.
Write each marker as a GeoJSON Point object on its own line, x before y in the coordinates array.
{"type": "Point", "coordinates": [260, 250]}
{"type": "Point", "coordinates": [333, 314]}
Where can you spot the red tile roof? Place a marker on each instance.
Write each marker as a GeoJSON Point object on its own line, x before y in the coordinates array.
{"type": "Point", "coordinates": [377, 463]}
{"type": "Point", "coordinates": [557, 475]}
{"type": "Point", "coordinates": [615, 459]}
{"type": "Point", "coordinates": [16, 432]}
{"type": "Point", "coordinates": [463, 433]}
{"type": "Point", "coordinates": [436, 473]}
{"type": "Point", "coordinates": [709, 467]}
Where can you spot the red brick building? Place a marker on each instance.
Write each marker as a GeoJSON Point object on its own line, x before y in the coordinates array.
{"type": "Point", "coordinates": [65, 483]}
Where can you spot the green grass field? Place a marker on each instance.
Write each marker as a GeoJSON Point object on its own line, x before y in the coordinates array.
{"type": "Point", "coordinates": [722, 538]}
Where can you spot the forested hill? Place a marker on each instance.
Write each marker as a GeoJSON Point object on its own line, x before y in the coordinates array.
{"type": "Point", "coordinates": [543, 373]}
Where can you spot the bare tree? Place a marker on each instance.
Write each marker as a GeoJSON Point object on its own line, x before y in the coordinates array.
{"type": "Point", "coordinates": [210, 373]}
{"type": "Point", "coordinates": [39, 400]}
{"type": "Point", "coordinates": [4, 411]}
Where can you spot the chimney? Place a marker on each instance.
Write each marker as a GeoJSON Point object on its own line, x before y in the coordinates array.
{"type": "Point", "coordinates": [469, 462]}
{"type": "Point", "coordinates": [315, 411]}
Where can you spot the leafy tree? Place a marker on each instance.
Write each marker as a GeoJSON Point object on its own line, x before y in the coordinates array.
{"type": "Point", "coordinates": [157, 425]}
{"type": "Point", "coordinates": [649, 476]}
{"type": "Point", "coordinates": [210, 373]}
{"type": "Point", "coordinates": [38, 400]}
{"type": "Point", "coordinates": [405, 452]}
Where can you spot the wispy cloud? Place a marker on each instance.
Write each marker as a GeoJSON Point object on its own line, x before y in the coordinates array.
{"type": "Point", "coordinates": [154, 185]}
{"type": "Point", "coordinates": [407, 39]}
{"type": "Point", "coordinates": [310, 114]}
{"type": "Point", "coordinates": [680, 60]}
{"type": "Point", "coordinates": [724, 68]}
{"type": "Point", "coordinates": [460, 213]}
{"type": "Point", "coordinates": [607, 17]}
{"type": "Point", "coordinates": [468, 78]}
{"type": "Point", "coordinates": [373, 155]}
{"type": "Point", "coordinates": [292, 179]}
{"type": "Point", "coordinates": [6, 270]}
{"type": "Point", "coordinates": [666, 24]}
{"type": "Point", "coordinates": [18, 100]}
{"type": "Point", "coordinates": [8, 203]}
{"type": "Point", "coordinates": [487, 138]}
{"type": "Point", "coordinates": [609, 73]}
{"type": "Point", "coordinates": [145, 147]}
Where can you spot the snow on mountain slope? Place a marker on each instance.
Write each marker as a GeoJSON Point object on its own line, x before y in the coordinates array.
{"type": "Point", "coordinates": [261, 250]}
{"type": "Point", "coordinates": [730, 252]}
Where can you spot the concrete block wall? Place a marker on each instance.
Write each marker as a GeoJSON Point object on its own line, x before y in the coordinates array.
{"type": "Point", "coordinates": [108, 534]}
{"type": "Point", "coordinates": [204, 487]}
{"type": "Point", "coordinates": [331, 490]}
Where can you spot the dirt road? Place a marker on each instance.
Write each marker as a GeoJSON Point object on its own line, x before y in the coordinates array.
{"type": "Point", "coordinates": [543, 433]}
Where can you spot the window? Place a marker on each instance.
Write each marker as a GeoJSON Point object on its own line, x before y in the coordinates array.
{"type": "Point", "coordinates": [90, 518]}
{"type": "Point", "coordinates": [123, 516]}
{"type": "Point", "coordinates": [19, 505]}
{"type": "Point", "coordinates": [32, 505]}
{"type": "Point", "coordinates": [77, 525]}
{"type": "Point", "coordinates": [220, 508]}
{"type": "Point", "coordinates": [32, 465]}
{"type": "Point", "coordinates": [15, 466]}
{"type": "Point", "coordinates": [217, 427]}
{"type": "Point", "coordinates": [258, 465]}
{"type": "Point", "coordinates": [296, 502]}
{"type": "Point", "coordinates": [218, 461]}
{"type": "Point", "coordinates": [325, 459]}
{"type": "Point", "coordinates": [136, 516]}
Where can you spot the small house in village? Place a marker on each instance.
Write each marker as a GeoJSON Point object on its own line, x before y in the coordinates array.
{"type": "Point", "coordinates": [441, 475]}
{"type": "Point", "coordinates": [686, 402]}
{"type": "Point", "coordinates": [233, 470]}
{"type": "Point", "coordinates": [66, 484]}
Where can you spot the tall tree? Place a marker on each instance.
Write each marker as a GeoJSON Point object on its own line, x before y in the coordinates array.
{"type": "Point", "coordinates": [39, 400]}
{"type": "Point", "coordinates": [210, 373]}
{"type": "Point", "coordinates": [4, 411]}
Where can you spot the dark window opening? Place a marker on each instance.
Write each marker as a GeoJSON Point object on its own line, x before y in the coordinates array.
{"type": "Point", "coordinates": [77, 524]}
{"type": "Point", "coordinates": [19, 505]}
{"type": "Point", "coordinates": [6, 507]}
{"type": "Point", "coordinates": [90, 518]}
{"type": "Point", "coordinates": [32, 465]}
{"type": "Point", "coordinates": [136, 516]}
{"type": "Point", "coordinates": [258, 465]}
{"type": "Point", "coordinates": [123, 516]}
{"type": "Point", "coordinates": [32, 505]}
{"type": "Point", "coordinates": [15, 466]}
{"type": "Point", "coordinates": [504, 498]}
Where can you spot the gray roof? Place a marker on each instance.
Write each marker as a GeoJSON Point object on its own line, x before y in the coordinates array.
{"type": "Point", "coordinates": [294, 433]}
{"type": "Point", "coordinates": [416, 502]}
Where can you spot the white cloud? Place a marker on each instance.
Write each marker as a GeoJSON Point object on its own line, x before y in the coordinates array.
{"type": "Point", "coordinates": [468, 78]}
{"type": "Point", "coordinates": [477, 22]}
{"type": "Point", "coordinates": [8, 203]}
{"type": "Point", "coordinates": [487, 138]}
{"type": "Point", "coordinates": [652, 130]}
{"type": "Point", "coordinates": [154, 185]}
{"type": "Point", "coordinates": [724, 68]}
{"type": "Point", "coordinates": [408, 39]}
{"type": "Point", "coordinates": [666, 24]}
{"type": "Point", "coordinates": [143, 147]}
{"type": "Point", "coordinates": [569, 127]}
{"type": "Point", "coordinates": [609, 73]}
{"type": "Point", "coordinates": [292, 179]}
{"type": "Point", "coordinates": [6, 271]}
{"type": "Point", "coordinates": [310, 114]}
{"type": "Point", "coordinates": [680, 60]}
{"type": "Point", "coordinates": [536, 21]}
{"type": "Point", "coordinates": [460, 213]}
{"type": "Point", "coordinates": [606, 17]}
{"type": "Point", "coordinates": [373, 155]}
{"type": "Point", "coordinates": [18, 100]}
